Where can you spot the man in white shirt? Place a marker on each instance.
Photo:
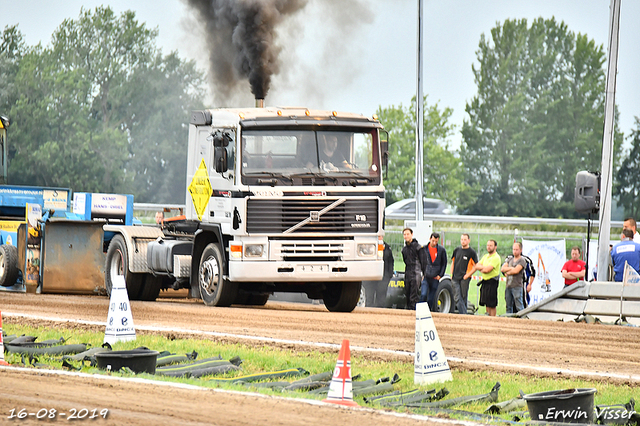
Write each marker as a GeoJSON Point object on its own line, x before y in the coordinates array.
{"type": "Point", "coordinates": [630, 223]}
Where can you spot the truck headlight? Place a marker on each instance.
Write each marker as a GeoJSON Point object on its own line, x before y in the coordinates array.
{"type": "Point", "coordinates": [366, 250]}
{"type": "Point", "coordinates": [253, 250]}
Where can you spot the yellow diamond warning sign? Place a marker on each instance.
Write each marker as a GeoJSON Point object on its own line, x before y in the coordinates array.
{"type": "Point", "coordinates": [200, 189]}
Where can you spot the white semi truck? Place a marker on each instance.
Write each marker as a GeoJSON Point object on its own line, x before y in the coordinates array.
{"type": "Point", "coordinates": [278, 200]}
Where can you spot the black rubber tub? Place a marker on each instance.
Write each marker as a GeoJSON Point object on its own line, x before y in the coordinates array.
{"type": "Point", "coordinates": [565, 406]}
{"type": "Point", "coordinates": [140, 360]}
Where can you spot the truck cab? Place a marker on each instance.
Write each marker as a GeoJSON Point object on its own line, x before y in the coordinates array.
{"type": "Point", "coordinates": [278, 199]}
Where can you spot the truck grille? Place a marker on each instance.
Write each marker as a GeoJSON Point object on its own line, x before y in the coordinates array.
{"type": "Point", "coordinates": [275, 216]}
{"type": "Point", "coordinates": [310, 251]}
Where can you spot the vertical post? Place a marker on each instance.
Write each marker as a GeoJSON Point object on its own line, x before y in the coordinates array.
{"type": "Point", "coordinates": [419, 122]}
{"type": "Point", "coordinates": [3, 153]}
{"type": "Point", "coordinates": [586, 257]}
{"type": "Point", "coordinates": [607, 145]}
{"type": "Point", "coordinates": [625, 277]}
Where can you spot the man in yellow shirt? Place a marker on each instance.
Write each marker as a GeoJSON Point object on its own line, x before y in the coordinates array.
{"type": "Point", "coordinates": [489, 266]}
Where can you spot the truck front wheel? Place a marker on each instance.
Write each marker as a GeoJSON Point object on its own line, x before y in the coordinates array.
{"type": "Point", "coordinates": [118, 265]}
{"type": "Point", "coordinates": [214, 289]}
{"type": "Point", "coordinates": [342, 297]}
{"type": "Point", "coordinates": [251, 298]}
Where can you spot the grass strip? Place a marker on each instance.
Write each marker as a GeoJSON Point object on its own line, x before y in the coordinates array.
{"type": "Point", "coordinates": [259, 360]}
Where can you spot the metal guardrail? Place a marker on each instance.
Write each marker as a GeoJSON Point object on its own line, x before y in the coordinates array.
{"type": "Point", "coordinates": [509, 220]}
{"type": "Point", "coordinates": [157, 207]}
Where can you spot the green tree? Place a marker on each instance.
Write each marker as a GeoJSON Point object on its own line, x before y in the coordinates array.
{"type": "Point", "coordinates": [627, 179]}
{"type": "Point", "coordinates": [536, 120]}
{"type": "Point", "coordinates": [102, 110]}
{"type": "Point", "coordinates": [161, 99]}
{"type": "Point", "coordinates": [12, 48]}
{"type": "Point", "coordinates": [442, 172]}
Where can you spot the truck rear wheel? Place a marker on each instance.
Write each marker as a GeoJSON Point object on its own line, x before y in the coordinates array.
{"type": "Point", "coordinates": [214, 289]}
{"type": "Point", "coordinates": [342, 297]}
{"type": "Point", "coordinates": [9, 270]}
{"type": "Point", "coordinates": [118, 265]}
{"type": "Point", "coordinates": [150, 288]}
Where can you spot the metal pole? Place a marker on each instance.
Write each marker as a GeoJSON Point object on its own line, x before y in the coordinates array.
{"type": "Point", "coordinates": [586, 276]}
{"type": "Point", "coordinates": [607, 145]}
{"type": "Point", "coordinates": [419, 122]}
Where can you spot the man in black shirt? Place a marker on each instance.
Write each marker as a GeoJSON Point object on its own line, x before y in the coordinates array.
{"type": "Point", "coordinates": [462, 261]}
{"type": "Point", "coordinates": [331, 157]}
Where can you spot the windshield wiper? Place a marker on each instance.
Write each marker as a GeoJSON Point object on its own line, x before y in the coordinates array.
{"type": "Point", "coordinates": [315, 175]}
{"type": "Point", "coordinates": [349, 172]}
{"type": "Point", "coordinates": [275, 177]}
{"type": "Point", "coordinates": [360, 180]}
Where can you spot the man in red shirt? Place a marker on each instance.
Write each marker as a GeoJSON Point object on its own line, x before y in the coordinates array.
{"type": "Point", "coordinates": [574, 269]}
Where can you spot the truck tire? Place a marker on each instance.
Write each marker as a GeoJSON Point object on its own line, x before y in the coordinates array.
{"type": "Point", "coordinates": [9, 270]}
{"type": "Point", "coordinates": [150, 288]}
{"type": "Point", "coordinates": [214, 289]}
{"type": "Point", "coordinates": [251, 298]}
{"type": "Point", "coordinates": [396, 298]}
{"type": "Point", "coordinates": [342, 297]}
{"type": "Point", "coordinates": [444, 296]}
{"type": "Point", "coordinates": [117, 263]}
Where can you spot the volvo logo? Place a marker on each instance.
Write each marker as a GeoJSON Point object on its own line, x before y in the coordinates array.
{"type": "Point", "coordinates": [314, 216]}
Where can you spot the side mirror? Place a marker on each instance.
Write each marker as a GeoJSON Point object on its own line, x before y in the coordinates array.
{"type": "Point", "coordinates": [384, 148]}
{"type": "Point", "coordinates": [221, 139]}
{"type": "Point", "coordinates": [220, 159]}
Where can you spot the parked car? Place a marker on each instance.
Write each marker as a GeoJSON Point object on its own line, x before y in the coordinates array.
{"type": "Point", "coordinates": [406, 209]}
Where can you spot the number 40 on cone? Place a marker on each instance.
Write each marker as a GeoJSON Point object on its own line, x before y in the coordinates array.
{"type": "Point", "coordinates": [119, 322]}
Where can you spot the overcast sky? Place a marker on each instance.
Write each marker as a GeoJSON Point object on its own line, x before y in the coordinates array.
{"type": "Point", "coordinates": [358, 55]}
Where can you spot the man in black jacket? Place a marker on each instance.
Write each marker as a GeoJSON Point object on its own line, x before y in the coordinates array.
{"type": "Point", "coordinates": [434, 269]}
{"type": "Point", "coordinates": [413, 268]}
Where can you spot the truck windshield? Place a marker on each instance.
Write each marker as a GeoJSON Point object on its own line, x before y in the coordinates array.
{"type": "Point", "coordinates": [286, 155]}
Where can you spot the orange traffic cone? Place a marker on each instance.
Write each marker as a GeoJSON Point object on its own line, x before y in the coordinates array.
{"type": "Point", "coordinates": [340, 390]}
{"type": "Point", "coordinates": [2, 361]}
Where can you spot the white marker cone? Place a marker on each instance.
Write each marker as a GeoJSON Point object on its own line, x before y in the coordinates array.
{"type": "Point", "coordinates": [430, 363]}
{"type": "Point", "coordinates": [120, 326]}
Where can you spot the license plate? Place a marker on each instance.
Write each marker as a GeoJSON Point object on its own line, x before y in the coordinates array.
{"type": "Point", "coordinates": [313, 268]}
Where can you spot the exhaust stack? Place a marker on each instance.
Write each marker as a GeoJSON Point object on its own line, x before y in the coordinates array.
{"type": "Point", "coordinates": [259, 103]}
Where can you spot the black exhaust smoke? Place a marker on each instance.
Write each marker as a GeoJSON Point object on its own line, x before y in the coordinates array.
{"type": "Point", "coordinates": [242, 34]}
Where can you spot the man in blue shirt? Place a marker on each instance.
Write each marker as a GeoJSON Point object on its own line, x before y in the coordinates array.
{"type": "Point", "coordinates": [625, 251]}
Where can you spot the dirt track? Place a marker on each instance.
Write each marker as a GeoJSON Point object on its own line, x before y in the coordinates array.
{"type": "Point", "coordinates": [472, 342]}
